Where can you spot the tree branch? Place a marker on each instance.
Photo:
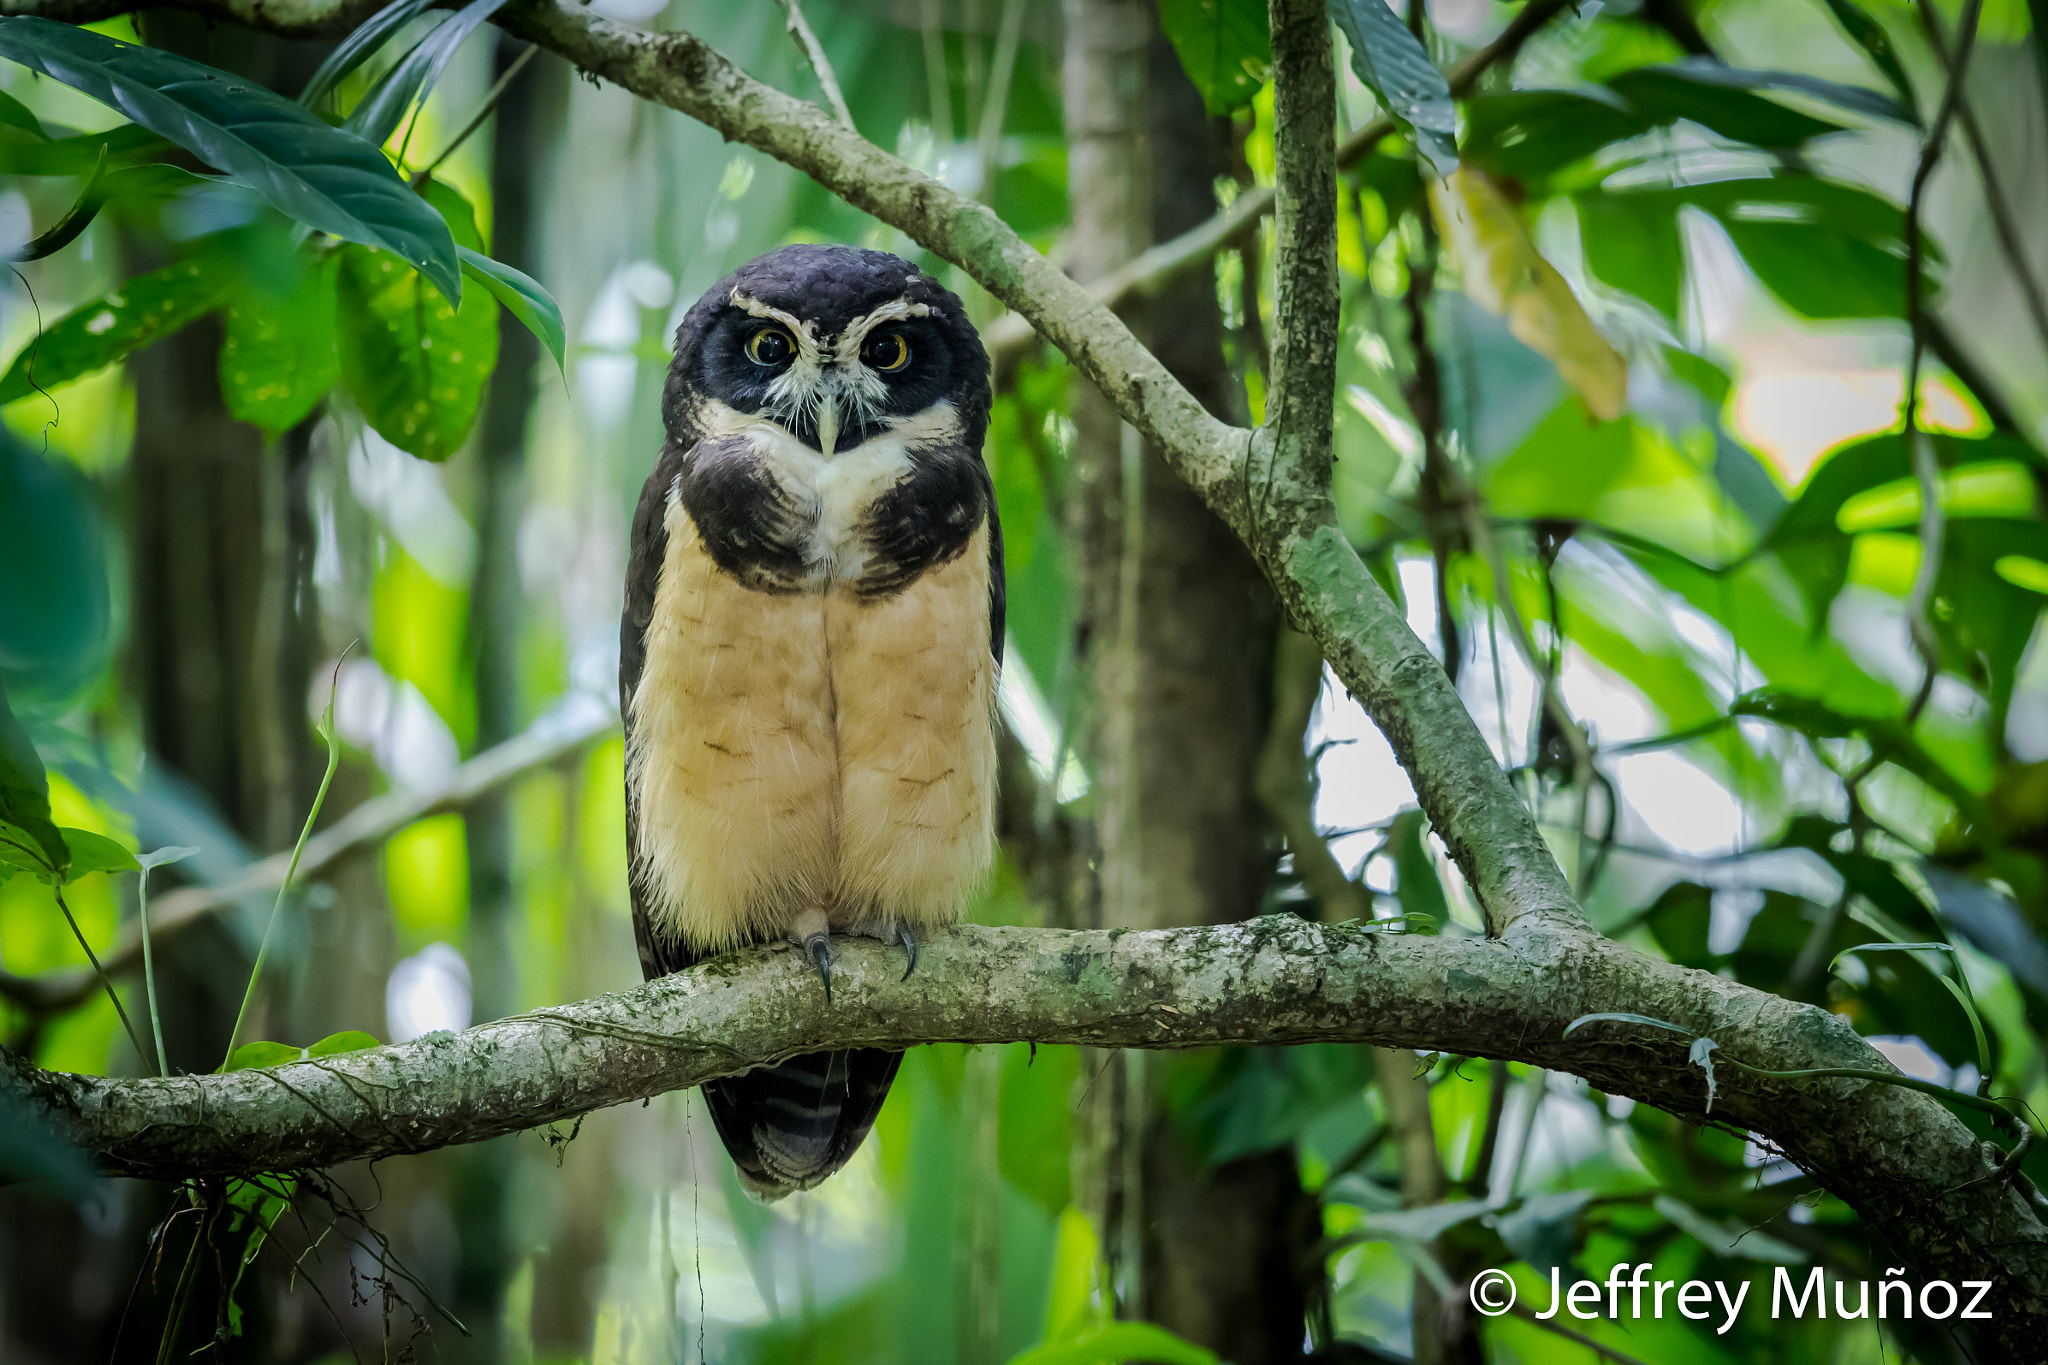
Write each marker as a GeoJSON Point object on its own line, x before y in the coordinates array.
{"type": "Point", "coordinates": [1898, 1156]}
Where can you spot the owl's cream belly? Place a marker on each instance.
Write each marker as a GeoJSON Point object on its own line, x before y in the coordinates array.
{"type": "Point", "coordinates": [812, 750]}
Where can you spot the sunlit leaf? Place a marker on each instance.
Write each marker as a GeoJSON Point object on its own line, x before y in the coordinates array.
{"type": "Point", "coordinates": [101, 332]}
{"type": "Point", "coordinates": [1505, 274]}
{"type": "Point", "coordinates": [320, 176]}
{"type": "Point", "coordinates": [1223, 46]}
{"type": "Point", "coordinates": [415, 365]}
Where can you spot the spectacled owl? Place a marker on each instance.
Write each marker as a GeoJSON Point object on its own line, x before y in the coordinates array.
{"type": "Point", "coordinates": [808, 657]}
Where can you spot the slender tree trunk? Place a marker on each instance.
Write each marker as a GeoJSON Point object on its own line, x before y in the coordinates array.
{"type": "Point", "coordinates": [1174, 631]}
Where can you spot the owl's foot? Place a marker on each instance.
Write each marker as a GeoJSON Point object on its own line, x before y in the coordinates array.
{"type": "Point", "coordinates": [891, 933]}
{"type": "Point", "coordinates": [811, 932]}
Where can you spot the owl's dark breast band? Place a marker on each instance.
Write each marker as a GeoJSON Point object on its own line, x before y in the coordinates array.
{"type": "Point", "coordinates": [924, 521]}
{"type": "Point", "coordinates": [751, 526]}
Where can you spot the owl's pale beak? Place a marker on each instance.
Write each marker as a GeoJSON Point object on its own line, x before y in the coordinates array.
{"type": "Point", "coordinates": [828, 424]}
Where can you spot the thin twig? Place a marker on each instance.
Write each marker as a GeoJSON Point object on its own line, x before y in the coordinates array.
{"type": "Point", "coordinates": [156, 1026]}
{"type": "Point", "coordinates": [99, 971]}
{"type": "Point", "coordinates": [1925, 468]}
{"type": "Point", "coordinates": [821, 65]}
{"type": "Point", "coordinates": [490, 102]}
{"type": "Point", "coordinates": [327, 732]}
{"type": "Point", "coordinates": [546, 742]}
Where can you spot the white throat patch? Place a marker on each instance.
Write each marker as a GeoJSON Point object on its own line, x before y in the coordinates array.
{"type": "Point", "coordinates": [834, 494]}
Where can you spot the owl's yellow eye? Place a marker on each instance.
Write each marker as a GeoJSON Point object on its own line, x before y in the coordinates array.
{"type": "Point", "coordinates": [886, 352]}
{"type": "Point", "coordinates": [769, 346]}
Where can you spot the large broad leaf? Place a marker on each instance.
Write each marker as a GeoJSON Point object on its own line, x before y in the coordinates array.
{"type": "Point", "coordinates": [1854, 98]}
{"type": "Point", "coordinates": [1663, 94]}
{"type": "Point", "coordinates": [278, 360]}
{"type": "Point", "coordinates": [1394, 66]}
{"type": "Point", "coordinates": [415, 365]}
{"type": "Point", "coordinates": [1826, 250]}
{"type": "Point", "coordinates": [25, 792]}
{"type": "Point", "coordinates": [321, 176]}
{"type": "Point", "coordinates": [1223, 45]}
{"type": "Point", "coordinates": [1505, 274]}
{"type": "Point", "coordinates": [1528, 134]}
{"type": "Point", "coordinates": [377, 117]}
{"type": "Point", "coordinates": [95, 336]}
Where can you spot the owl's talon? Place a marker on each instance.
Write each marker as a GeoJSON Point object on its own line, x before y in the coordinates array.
{"type": "Point", "coordinates": [818, 947]}
{"type": "Point", "coordinates": [910, 948]}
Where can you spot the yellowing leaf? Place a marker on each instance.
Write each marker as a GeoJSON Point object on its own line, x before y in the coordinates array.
{"type": "Point", "coordinates": [1506, 275]}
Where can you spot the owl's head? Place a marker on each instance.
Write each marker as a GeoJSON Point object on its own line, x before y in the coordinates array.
{"type": "Point", "coordinates": [834, 344]}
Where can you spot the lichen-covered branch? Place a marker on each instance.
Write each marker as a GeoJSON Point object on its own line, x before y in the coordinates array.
{"type": "Point", "coordinates": [1897, 1156]}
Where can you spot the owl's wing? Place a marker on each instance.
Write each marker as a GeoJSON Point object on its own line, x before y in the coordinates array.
{"type": "Point", "coordinates": [998, 592]}
{"type": "Point", "coordinates": [659, 954]}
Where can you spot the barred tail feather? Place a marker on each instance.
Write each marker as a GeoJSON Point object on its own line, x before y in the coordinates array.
{"type": "Point", "coordinates": [791, 1125]}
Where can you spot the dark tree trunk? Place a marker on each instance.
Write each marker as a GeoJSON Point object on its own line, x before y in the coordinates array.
{"type": "Point", "coordinates": [1175, 632]}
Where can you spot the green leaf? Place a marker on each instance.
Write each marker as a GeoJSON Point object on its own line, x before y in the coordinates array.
{"type": "Point", "coordinates": [126, 144]}
{"type": "Point", "coordinates": [378, 116]}
{"type": "Point", "coordinates": [278, 359]}
{"type": "Point", "coordinates": [1224, 47]}
{"type": "Point", "coordinates": [1416, 884]}
{"type": "Point", "coordinates": [350, 1040]}
{"type": "Point", "coordinates": [1113, 1342]}
{"type": "Point", "coordinates": [524, 299]}
{"type": "Point", "coordinates": [415, 365]}
{"type": "Point", "coordinates": [92, 852]}
{"type": "Point", "coordinates": [25, 800]}
{"type": "Point", "coordinates": [1664, 94]}
{"type": "Point", "coordinates": [150, 181]}
{"type": "Point", "coordinates": [1632, 242]}
{"type": "Point", "coordinates": [164, 857]}
{"type": "Point", "coordinates": [359, 46]}
{"type": "Point", "coordinates": [455, 211]}
{"type": "Point", "coordinates": [15, 114]}
{"type": "Point", "coordinates": [1394, 66]}
{"type": "Point", "coordinates": [96, 335]}
{"type": "Point", "coordinates": [252, 1055]}
{"type": "Point", "coordinates": [320, 176]}
{"type": "Point", "coordinates": [1854, 98]}
{"type": "Point", "coordinates": [1870, 35]}
{"type": "Point", "coordinates": [1528, 134]}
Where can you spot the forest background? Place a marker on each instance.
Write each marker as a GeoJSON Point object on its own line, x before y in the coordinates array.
{"type": "Point", "coordinates": [1626, 346]}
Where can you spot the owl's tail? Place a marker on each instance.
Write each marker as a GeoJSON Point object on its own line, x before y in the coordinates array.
{"type": "Point", "coordinates": [790, 1125]}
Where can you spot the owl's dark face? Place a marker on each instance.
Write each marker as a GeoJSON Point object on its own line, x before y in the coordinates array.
{"type": "Point", "coordinates": [833, 344]}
